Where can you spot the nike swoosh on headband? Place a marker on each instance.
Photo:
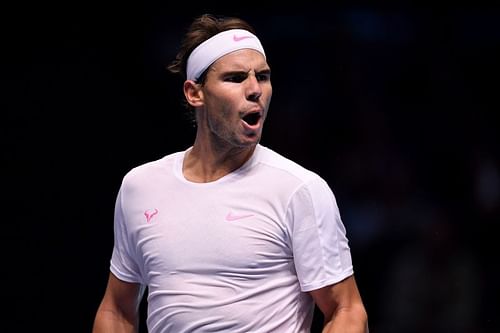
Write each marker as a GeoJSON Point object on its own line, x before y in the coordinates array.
{"type": "Point", "coordinates": [238, 38]}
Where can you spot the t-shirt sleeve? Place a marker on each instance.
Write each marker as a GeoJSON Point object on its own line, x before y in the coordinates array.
{"type": "Point", "coordinates": [320, 246]}
{"type": "Point", "coordinates": [123, 260]}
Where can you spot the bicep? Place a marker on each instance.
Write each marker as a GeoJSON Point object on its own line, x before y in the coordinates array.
{"type": "Point", "coordinates": [341, 295]}
{"type": "Point", "coordinates": [122, 298]}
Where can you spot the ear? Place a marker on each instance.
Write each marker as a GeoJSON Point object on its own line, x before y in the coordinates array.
{"type": "Point", "coordinates": [193, 93]}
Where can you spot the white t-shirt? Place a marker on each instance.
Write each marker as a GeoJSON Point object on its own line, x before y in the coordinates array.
{"type": "Point", "coordinates": [234, 255]}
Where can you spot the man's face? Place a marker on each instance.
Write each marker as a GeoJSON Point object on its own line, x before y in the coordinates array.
{"type": "Point", "coordinates": [236, 95]}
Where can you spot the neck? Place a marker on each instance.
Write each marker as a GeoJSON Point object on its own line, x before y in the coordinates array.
{"type": "Point", "coordinates": [207, 162]}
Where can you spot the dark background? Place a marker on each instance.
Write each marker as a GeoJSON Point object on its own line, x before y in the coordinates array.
{"type": "Point", "coordinates": [394, 106]}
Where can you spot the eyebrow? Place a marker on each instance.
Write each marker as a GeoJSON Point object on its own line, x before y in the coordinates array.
{"type": "Point", "coordinates": [264, 71]}
{"type": "Point", "coordinates": [237, 72]}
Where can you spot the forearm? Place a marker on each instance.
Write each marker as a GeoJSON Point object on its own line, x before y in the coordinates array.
{"type": "Point", "coordinates": [352, 320]}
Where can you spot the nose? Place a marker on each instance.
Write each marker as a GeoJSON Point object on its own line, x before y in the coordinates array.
{"type": "Point", "coordinates": [253, 89]}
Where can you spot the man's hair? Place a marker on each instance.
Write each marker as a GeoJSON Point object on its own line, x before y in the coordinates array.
{"type": "Point", "coordinates": [201, 29]}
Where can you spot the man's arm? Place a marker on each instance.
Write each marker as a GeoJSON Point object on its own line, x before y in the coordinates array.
{"type": "Point", "coordinates": [119, 308]}
{"type": "Point", "coordinates": [342, 307]}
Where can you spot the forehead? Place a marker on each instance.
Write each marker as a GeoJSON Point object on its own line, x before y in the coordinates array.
{"type": "Point", "coordinates": [244, 59]}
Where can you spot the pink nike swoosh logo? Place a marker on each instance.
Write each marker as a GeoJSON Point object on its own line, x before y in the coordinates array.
{"type": "Point", "coordinates": [150, 214]}
{"type": "Point", "coordinates": [240, 38]}
{"type": "Point", "coordinates": [232, 217]}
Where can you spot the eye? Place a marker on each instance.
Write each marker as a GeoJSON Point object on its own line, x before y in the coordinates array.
{"type": "Point", "coordinates": [263, 77]}
{"type": "Point", "coordinates": [236, 78]}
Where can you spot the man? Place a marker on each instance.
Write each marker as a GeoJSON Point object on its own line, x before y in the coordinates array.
{"type": "Point", "coordinates": [228, 236]}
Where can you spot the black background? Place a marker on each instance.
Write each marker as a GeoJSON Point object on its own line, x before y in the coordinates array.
{"type": "Point", "coordinates": [394, 106]}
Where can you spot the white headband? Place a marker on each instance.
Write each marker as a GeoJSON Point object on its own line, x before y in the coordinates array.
{"type": "Point", "coordinates": [217, 46]}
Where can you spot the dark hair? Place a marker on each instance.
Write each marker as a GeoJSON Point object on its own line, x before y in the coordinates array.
{"type": "Point", "coordinates": [201, 29]}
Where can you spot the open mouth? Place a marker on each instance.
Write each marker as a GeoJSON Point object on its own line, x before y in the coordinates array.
{"type": "Point", "coordinates": [252, 118]}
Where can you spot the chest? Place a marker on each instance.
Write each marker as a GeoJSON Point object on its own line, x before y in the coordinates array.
{"type": "Point", "coordinates": [235, 235]}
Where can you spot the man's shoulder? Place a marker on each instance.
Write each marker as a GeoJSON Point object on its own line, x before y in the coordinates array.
{"type": "Point", "coordinates": [285, 164]}
{"type": "Point", "coordinates": [152, 167]}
